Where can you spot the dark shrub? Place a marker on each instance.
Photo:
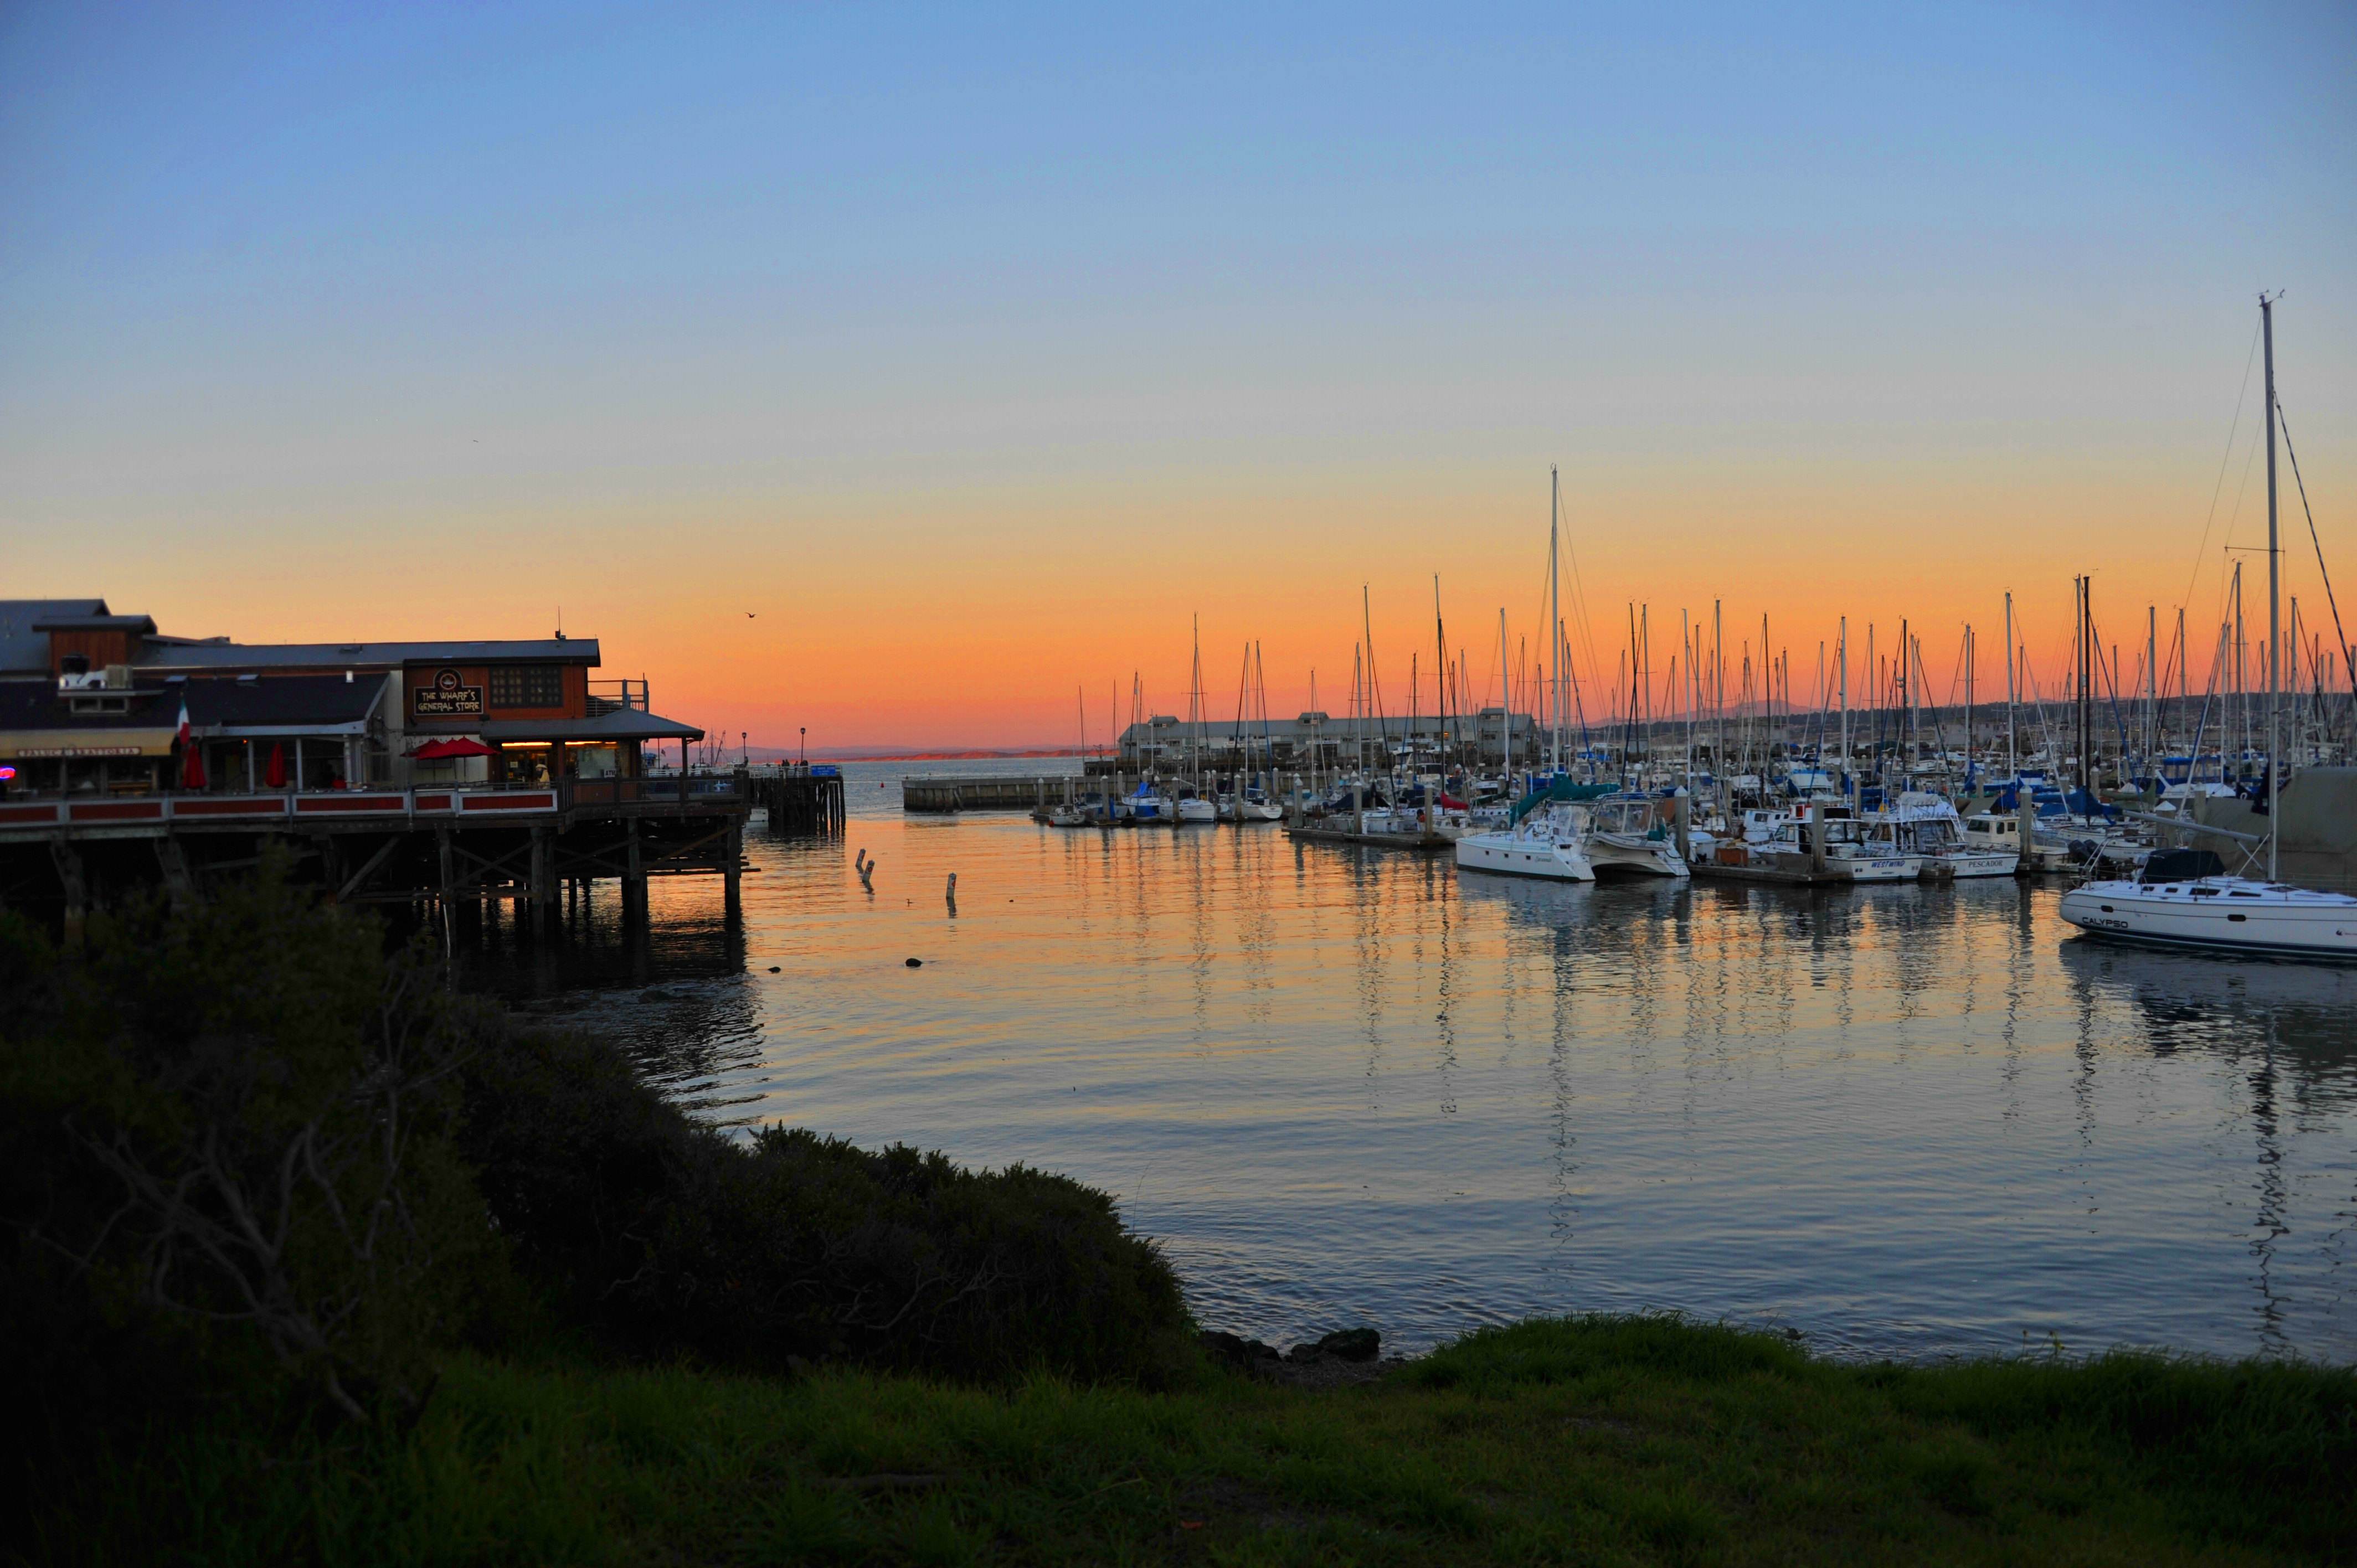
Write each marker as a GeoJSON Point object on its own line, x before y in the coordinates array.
{"type": "Point", "coordinates": [241, 1149]}
{"type": "Point", "coordinates": [225, 1143]}
{"type": "Point", "coordinates": [670, 1236]}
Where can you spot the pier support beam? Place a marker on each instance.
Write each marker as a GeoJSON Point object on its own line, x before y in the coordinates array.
{"type": "Point", "coordinates": [540, 887]}
{"type": "Point", "coordinates": [447, 867]}
{"type": "Point", "coordinates": [634, 879]}
{"type": "Point", "coordinates": [732, 868]}
{"type": "Point", "coordinates": [68, 860]}
{"type": "Point", "coordinates": [177, 883]}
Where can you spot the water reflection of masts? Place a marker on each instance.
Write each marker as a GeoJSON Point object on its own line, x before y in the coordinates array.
{"type": "Point", "coordinates": [1435, 897]}
{"type": "Point", "coordinates": [2268, 1223]}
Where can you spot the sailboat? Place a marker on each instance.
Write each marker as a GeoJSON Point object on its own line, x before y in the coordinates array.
{"type": "Point", "coordinates": [1546, 833]}
{"type": "Point", "coordinates": [2182, 898]}
{"type": "Point", "coordinates": [1069, 812]}
{"type": "Point", "coordinates": [1191, 805]}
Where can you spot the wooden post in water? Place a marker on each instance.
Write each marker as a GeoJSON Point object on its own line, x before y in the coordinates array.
{"type": "Point", "coordinates": [732, 868]}
{"type": "Point", "coordinates": [1817, 839]}
{"type": "Point", "coordinates": [1686, 823]}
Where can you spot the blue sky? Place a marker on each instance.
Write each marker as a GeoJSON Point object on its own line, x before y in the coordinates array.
{"type": "Point", "coordinates": [324, 288]}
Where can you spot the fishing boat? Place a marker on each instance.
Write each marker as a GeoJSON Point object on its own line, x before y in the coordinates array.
{"type": "Point", "coordinates": [1922, 823]}
{"type": "Point", "coordinates": [2183, 897]}
{"type": "Point", "coordinates": [1851, 851]}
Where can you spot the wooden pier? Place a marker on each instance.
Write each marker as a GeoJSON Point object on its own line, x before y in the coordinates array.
{"type": "Point", "coordinates": [433, 848]}
{"type": "Point", "coordinates": [799, 802]}
{"type": "Point", "coordinates": [1413, 843]}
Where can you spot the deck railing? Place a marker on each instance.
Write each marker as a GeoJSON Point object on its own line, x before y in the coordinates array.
{"type": "Point", "coordinates": [450, 802]}
{"type": "Point", "coordinates": [613, 696]}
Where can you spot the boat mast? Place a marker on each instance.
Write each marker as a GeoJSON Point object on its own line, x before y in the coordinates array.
{"type": "Point", "coordinates": [1555, 613]}
{"type": "Point", "coordinates": [2274, 645]}
{"type": "Point", "coordinates": [1842, 644]}
{"type": "Point", "coordinates": [1505, 700]}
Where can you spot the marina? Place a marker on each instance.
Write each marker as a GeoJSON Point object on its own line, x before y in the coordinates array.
{"type": "Point", "coordinates": [1411, 786]}
{"type": "Point", "coordinates": [1913, 1119]}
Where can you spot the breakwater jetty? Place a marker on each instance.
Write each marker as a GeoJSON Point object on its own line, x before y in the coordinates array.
{"type": "Point", "coordinates": [984, 792]}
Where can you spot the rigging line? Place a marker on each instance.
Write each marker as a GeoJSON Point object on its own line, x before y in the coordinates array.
{"type": "Point", "coordinates": [2321, 570]}
{"type": "Point", "coordinates": [2224, 458]}
{"type": "Point", "coordinates": [2241, 491]}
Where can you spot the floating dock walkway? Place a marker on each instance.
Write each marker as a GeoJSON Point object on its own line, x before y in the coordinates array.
{"type": "Point", "coordinates": [1413, 843]}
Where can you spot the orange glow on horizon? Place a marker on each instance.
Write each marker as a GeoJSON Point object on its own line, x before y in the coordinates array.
{"type": "Point", "coordinates": [987, 625]}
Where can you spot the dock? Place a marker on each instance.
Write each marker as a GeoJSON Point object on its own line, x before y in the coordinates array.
{"type": "Point", "coordinates": [1412, 843]}
{"type": "Point", "coordinates": [1797, 877]}
{"type": "Point", "coordinates": [431, 848]}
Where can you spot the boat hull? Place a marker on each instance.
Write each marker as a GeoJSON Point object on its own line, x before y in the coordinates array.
{"type": "Point", "coordinates": [1508, 855]}
{"type": "Point", "coordinates": [2316, 926]}
{"type": "Point", "coordinates": [1966, 863]}
{"type": "Point", "coordinates": [1616, 855]}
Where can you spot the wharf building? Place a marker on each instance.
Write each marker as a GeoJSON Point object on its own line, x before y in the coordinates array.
{"type": "Point", "coordinates": [436, 773]}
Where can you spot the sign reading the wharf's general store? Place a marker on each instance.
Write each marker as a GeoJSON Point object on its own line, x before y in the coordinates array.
{"type": "Point", "coordinates": [446, 696]}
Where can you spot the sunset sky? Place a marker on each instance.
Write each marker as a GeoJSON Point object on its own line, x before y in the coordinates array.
{"type": "Point", "coordinates": [898, 373]}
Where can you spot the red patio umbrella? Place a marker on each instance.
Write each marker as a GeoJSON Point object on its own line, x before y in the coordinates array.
{"type": "Point", "coordinates": [444, 751]}
{"type": "Point", "coordinates": [274, 777]}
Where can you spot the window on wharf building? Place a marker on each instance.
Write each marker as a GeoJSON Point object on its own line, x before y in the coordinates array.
{"type": "Point", "coordinates": [527, 686]}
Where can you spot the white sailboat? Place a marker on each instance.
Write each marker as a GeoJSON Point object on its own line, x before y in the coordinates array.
{"type": "Point", "coordinates": [1069, 812]}
{"type": "Point", "coordinates": [1547, 839]}
{"type": "Point", "coordinates": [2181, 897]}
{"type": "Point", "coordinates": [1191, 804]}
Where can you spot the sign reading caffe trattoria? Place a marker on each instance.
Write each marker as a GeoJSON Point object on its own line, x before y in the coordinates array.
{"type": "Point", "coordinates": [446, 697]}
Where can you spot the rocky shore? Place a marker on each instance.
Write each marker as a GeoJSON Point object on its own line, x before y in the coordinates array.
{"type": "Point", "coordinates": [1345, 1357]}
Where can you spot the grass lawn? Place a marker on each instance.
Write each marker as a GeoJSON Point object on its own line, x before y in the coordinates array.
{"type": "Point", "coordinates": [1601, 1440]}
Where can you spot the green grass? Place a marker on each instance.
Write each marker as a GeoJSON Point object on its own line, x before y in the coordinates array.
{"type": "Point", "coordinates": [1593, 1441]}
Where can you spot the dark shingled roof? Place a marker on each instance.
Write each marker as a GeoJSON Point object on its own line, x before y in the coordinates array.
{"type": "Point", "coordinates": [164, 654]}
{"type": "Point", "coordinates": [280, 700]}
{"type": "Point", "coordinates": [34, 704]}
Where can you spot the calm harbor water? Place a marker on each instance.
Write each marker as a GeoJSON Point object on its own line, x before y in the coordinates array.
{"type": "Point", "coordinates": [1348, 1086]}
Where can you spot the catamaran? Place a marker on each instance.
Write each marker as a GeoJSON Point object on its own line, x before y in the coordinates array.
{"type": "Point", "coordinates": [1626, 837]}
